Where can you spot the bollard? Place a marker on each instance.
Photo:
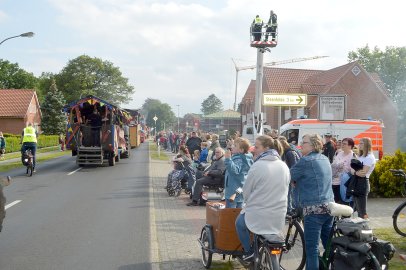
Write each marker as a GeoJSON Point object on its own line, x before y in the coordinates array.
{"type": "Point", "coordinates": [159, 150]}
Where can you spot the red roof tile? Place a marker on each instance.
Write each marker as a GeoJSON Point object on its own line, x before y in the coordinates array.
{"type": "Point", "coordinates": [280, 80]}
{"type": "Point", "coordinates": [250, 93]}
{"type": "Point", "coordinates": [15, 102]}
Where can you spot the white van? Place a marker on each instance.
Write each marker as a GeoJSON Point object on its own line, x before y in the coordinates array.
{"type": "Point", "coordinates": [350, 128]}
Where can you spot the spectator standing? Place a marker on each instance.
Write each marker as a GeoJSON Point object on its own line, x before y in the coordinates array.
{"type": "Point", "coordinates": [238, 162]}
{"type": "Point", "coordinates": [290, 156]}
{"type": "Point", "coordinates": [366, 156]}
{"type": "Point", "coordinates": [2, 145]}
{"type": "Point", "coordinates": [193, 143]}
{"type": "Point", "coordinates": [329, 148]}
{"type": "Point", "coordinates": [312, 176]}
{"type": "Point", "coordinates": [62, 142]}
{"type": "Point", "coordinates": [341, 164]}
{"type": "Point", "coordinates": [265, 194]}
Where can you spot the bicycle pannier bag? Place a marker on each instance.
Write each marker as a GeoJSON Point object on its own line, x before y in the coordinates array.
{"type": "Point", "coordinates": [355, 228]}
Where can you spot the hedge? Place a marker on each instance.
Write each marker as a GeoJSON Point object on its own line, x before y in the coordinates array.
{"type": "Point", "coordinates": [383, 183]}
{"type": "Point", "coordinates": [13, 142]}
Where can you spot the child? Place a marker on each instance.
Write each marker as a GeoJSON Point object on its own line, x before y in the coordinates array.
{"type": "Point", "coordinates": [238, 161]}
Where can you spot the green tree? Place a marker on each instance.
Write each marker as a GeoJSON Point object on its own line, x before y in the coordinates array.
{"type": "Point", "coordinates": [391, 67]}
{"type": "Point", "coordinates": [53, 119]}
{"type": "Point", "coordinates": [44, 83]}
{"type": "Point", "coordinates": [13, 77]}
{"type": "Point", "coordinates": [212, 104]}
{"type": "Point", "coordinates": [92, 76]}
{"type": "Point", "coordinates": [164, 113]}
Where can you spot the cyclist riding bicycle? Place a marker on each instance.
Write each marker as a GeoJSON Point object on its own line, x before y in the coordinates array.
{"type": "Point", "coordinates": [265, 195]}
{"type": "Point", "coordinates": [29, 141]}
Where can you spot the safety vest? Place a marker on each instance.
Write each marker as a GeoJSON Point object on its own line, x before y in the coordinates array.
{"type": "Point", "coordinates": [29, 135]}
{"type": "Point", "coordinates": [258, 20]}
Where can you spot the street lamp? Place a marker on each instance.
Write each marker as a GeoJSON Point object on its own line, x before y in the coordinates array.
{"type": "Point", "coordinates": [178, 117]}
{"type": "Point", "coordinates": [28, 34]}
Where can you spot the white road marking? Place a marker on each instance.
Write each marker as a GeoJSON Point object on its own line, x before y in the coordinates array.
{"type": "Point", "coordinates": [78, 169]}
{"type": "Point", "coordinates": [11, 204]}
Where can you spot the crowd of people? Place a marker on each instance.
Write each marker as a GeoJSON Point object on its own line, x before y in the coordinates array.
{"type": "Point", "coordinates": [275, 176]}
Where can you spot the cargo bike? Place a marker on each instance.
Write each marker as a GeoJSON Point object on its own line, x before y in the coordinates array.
{"type": "Point", "coordinates": [219, 236]}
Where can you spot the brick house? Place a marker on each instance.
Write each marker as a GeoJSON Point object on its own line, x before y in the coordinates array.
{"type": "Point", "coordinates": [367, 96]}
{"type": "Point", "coordinates": [224, 120]}
{"type": "Point", "coordinates": [17, 108]}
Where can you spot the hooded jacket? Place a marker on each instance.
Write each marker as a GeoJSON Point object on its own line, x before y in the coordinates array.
{"type": "Point", "coordinates": [266, 195]}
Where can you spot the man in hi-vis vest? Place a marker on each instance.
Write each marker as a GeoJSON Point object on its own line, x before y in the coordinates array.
{"type": "Point", "coordinates": [29, 141]}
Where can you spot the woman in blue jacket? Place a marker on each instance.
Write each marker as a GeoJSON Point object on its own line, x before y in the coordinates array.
{"type": "Point", "coordinates": [237, 165]}
{"type": "Point", "coordinates": [313, 179]}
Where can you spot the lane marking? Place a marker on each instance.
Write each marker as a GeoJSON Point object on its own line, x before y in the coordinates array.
{"type": "Point", "coordinates": [78, 169]}
{"type": "Point", "coordinates": [12, 204]}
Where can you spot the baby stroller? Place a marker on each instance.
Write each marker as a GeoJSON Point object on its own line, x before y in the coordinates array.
{"type": "Point", "coordinates": [182, 177]}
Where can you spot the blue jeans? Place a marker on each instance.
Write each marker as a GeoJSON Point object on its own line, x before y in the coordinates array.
{"type": "Point", "coordinates": [316, 227]}
{"type": "Point", "coordinates": [243, 233]}
{"type": "Point", "coordinates": [233, 204]}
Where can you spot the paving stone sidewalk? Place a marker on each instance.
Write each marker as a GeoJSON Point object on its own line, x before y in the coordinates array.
{"type": "Point", "coordinates": [178, 226]}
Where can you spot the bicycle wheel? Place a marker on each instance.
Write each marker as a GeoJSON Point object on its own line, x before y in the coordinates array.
{"type": "Point", "coordinates": [264, 259]}
{"type": "Point", "coordinates": [207, 243]}
{"type": "Point", "coordinates": [29, 169]}
{"type": "Point", "coordinates": [294, 257]}
{"type": "Point", "coordinates": [403, 189]}
{"type": "Point", "coordinates": [399, 219]}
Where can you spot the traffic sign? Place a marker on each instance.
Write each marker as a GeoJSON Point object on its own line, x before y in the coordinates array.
{"type": "Point", "coordinates": [155, 118]}
{"type": "Point", "coordinates": [284, 100]}
{"type": "Point", "coordinates": [332, 107]}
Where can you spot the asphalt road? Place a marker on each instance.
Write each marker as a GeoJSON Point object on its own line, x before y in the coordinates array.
{"type": "Point", "coordinates": [94, 218]}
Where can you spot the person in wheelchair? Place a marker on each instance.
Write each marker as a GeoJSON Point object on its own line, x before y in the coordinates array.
{"type": "Point", "coordinates": [181, 162]}
{"type": "Point", "coordinates": [214, 175]}
{"type": "Point", "coordinates": [265, 195]}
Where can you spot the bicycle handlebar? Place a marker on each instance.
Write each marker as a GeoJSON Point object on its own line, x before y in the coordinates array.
{"type": "Point", "coordinates": [399, 172]}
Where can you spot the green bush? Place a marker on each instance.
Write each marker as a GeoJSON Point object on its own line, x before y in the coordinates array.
{"type": "Point", "coordinates": [13, 142]}
{"type": "Point", "coordinates": [383, 183]}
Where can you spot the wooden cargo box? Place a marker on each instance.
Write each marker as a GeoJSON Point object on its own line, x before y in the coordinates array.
{"type": "Point", "coordinates": [223, 223]}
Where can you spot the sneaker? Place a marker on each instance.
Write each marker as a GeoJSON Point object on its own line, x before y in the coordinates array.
{"type": "Point", "coordinates": [248, 257]}
{"type": "Point", "coordinates": [193, 203]}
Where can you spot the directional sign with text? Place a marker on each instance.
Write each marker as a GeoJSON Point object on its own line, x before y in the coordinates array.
{"type": "Point", "coordinates": [284, 100]}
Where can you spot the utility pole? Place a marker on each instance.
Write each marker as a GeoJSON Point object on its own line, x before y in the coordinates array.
{"type": "Point", "coordinates": [269, 64]}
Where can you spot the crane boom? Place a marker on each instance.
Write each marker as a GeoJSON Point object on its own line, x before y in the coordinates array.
{"type": "Point", "coordinates": [275, 63]}
{"type": "Point", "coordinates": [294, 60]}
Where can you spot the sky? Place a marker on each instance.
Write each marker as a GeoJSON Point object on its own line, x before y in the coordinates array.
{"type": "Point", "coordinates": [180, 52]}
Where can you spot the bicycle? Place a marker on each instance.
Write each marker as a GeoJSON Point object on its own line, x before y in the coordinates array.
{"type": "Point", "coordinates": [293, 256]}
{"type": "Point", "coordinates": [399, 216]}
{"type": "Point", "coordinates": [29, 162]}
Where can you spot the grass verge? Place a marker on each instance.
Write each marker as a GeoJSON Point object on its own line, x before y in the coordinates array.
{"type": "Point", "coordinates": [153, 150]}
{"type": "Point", "coordinates": [398, 241]}
{"type": "Point", "coordinates": [18, 164]}
{"type": "Point", "coordinates": [40, 150]}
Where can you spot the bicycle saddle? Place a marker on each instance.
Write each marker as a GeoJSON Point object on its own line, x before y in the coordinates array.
{"type": "Point", "coordinates": [273, 239]}
{"type": "Point", "coordinates": [340, 210]}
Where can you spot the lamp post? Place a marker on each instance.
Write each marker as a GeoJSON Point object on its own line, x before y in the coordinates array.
{"type": "Point", "coordinates": [178, 117]}
{"type": "Point", "coordinates": [28, 34]}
